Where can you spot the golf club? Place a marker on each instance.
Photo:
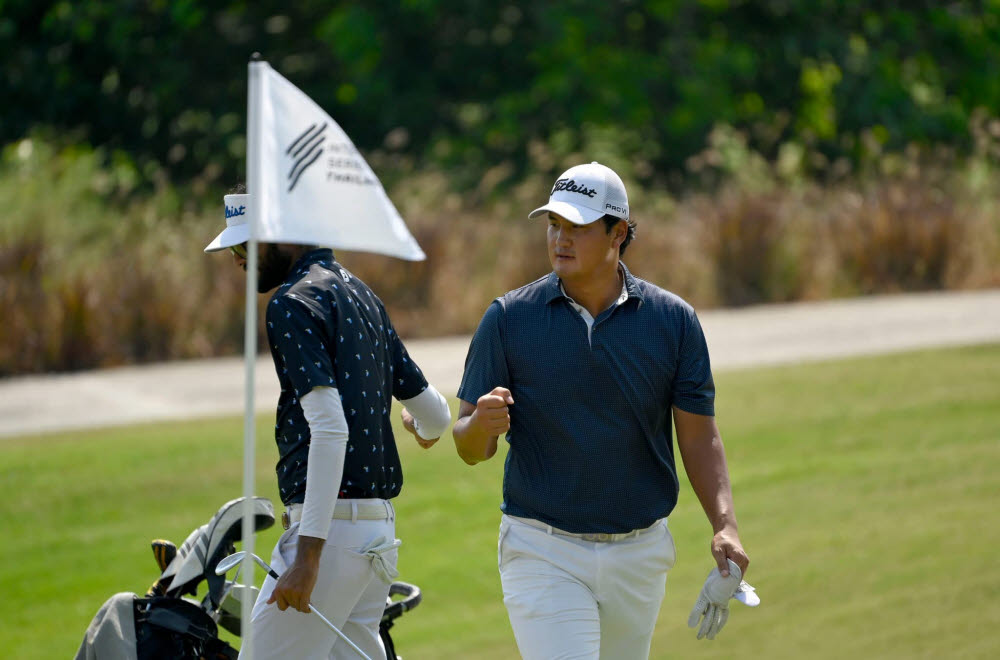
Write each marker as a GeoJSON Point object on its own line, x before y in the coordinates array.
{"type": "Point", "coordinates": [164, 553]}
{"type": "Point", "coordinates": [232, 584]}
{"type": "Point", "coordinates": [227, 563]}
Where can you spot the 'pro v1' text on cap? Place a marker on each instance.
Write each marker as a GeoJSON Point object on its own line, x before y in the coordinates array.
{"type": "Point", "coordinates": [585, 193]}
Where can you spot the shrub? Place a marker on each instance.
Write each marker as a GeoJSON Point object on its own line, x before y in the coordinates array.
{"type": "Point", "coordinates": [93, 276]}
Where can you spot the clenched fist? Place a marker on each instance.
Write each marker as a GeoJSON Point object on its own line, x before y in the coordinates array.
{"type": "Point", "coordinates": [492, 414]}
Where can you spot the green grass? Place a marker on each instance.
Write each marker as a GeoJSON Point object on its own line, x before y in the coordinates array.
{"type": "Point", "coordinates": [866, 490]}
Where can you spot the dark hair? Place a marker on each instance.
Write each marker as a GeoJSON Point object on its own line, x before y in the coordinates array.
{"type": "Point", "coordinates": [238, 189]}
{"type": "Point", "coordinates": [609, 223]}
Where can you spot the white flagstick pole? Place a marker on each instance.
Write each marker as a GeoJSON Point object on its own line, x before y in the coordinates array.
{"type": "Point", "coordinates": [250, 351]}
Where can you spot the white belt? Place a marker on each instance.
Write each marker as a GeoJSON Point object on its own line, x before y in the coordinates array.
{"type": "Point", "coordinates": [354, 510]}
{"type": "Point", "coordinates": [600, 537]}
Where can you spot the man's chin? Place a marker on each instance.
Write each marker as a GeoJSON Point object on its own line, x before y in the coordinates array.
{"type": "Point", "coordinates": [264, 287]}
{"type": "Point", "coordinates": [266, 282]}
{"type": "Point", "coordinates": [563, 269]}
{"type": "Point", "coordinates": [272, 268]}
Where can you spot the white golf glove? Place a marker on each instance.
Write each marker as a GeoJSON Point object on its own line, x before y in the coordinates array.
{"type": "Point", "coordinates": [376, 551]}
{"type": "Point", "coordinates": [713, 601]}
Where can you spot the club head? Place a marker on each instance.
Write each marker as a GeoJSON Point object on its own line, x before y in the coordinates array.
{"type": "Point", "coordinates": [164, 553]}
{"type": "Point", "coordinates": [232, 560]}
{"type": "Point", "coordinates": [226, 564]}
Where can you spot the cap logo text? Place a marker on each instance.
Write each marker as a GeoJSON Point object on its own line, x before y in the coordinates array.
{"type": "Point", "coordinates": [233, 211]}
{"type": "Point", "coordinates": [570, 185]}
{"type": "Point", "coordinates": [619, 209]}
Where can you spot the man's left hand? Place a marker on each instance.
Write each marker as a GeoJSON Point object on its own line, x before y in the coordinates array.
{"type": "Point", "coordinates": [410, 425]}
{"type": "Point", "coordinates": [726, 545]}
{"type": "Point", "coordinates": [712, 606]}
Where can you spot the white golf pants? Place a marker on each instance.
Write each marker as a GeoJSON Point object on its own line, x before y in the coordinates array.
{"type": "Point", "coordinates": [348, 592]}
{"type": "Point", "coordinates": [571, 598]}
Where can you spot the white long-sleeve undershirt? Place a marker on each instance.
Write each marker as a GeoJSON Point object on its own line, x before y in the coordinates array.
{"type": "Point", "coordinates": [431, 415]}
{"type": "Point", "coordinates": [328, 433]}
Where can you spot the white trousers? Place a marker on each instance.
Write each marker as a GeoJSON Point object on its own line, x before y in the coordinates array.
{"type": "Point", "coordinates": [571, 598]}
{"type": "Point", "coordinates": [348, 593]}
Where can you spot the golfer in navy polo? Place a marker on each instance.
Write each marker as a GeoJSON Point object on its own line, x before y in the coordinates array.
{"type": "Point", "coordinates": [583, 370]}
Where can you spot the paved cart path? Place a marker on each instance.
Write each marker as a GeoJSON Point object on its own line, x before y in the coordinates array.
{"type": "Point", "coordinates": [753, 336]}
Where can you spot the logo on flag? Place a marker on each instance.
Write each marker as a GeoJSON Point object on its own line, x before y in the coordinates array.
{"type": "Point", "coordinates": [340, 202]}
{"type": "Point", "coordinates": [304, 151]}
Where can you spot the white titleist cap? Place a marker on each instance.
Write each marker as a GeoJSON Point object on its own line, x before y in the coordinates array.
{"type": "Point", "coordinates": [237, 230]}
{"type": "Point", "coordinates": [585, 193]}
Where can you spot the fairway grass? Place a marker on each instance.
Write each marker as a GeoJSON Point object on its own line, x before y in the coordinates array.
{"type": "Point", "coordinates": [866, 491]}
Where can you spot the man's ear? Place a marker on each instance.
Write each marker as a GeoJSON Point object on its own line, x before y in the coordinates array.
{"type": "Point", "coordinates": [621, 232]}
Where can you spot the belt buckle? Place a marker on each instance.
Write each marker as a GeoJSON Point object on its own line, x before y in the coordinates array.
{"type": "Point", "coordinates": [285, 520]}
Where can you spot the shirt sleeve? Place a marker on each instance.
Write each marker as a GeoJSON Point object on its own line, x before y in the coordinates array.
{"type": "Point", "coordinates": [694, 388]}
{"type": "Point", "coordinates": [301, 341]}
{"type": "Point", "coordinates": [486, 362]}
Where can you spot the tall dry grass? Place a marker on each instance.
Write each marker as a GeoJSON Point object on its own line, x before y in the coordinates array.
{"type": "Point", "coordinates": [93, 276]}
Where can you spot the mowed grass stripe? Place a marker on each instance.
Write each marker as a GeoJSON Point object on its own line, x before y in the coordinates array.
{"type": "Point", "coordinates": [866, 490]}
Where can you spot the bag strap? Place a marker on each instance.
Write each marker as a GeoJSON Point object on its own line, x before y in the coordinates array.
{"type": "Point", "coordinates": [176, 615]}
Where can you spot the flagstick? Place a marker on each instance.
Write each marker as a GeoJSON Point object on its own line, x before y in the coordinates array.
{"type": "Point", "coordinates": [250, 356]}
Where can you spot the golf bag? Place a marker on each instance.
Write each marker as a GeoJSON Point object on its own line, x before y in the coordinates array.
{"type": "Point", "coordinates": [170, 623]}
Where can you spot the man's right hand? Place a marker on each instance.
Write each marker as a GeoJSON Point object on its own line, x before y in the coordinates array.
{"type": "Point", "coordinates": [295, 586]}
{"type": "Point", "coordinates": [479, 425]}
{"type": "Point", "coordinates": [492, 415]}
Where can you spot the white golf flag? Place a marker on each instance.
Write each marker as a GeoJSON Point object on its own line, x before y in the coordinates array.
{"type": "Point", "coordinates": [312, 184]}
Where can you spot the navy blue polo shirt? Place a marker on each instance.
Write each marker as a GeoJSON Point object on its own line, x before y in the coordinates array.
{"type": "Point", "coordinates": [326, 328]}
{"type": "Point", "coordinates": [591, 441]}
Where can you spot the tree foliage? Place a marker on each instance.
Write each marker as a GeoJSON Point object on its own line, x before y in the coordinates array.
{"type": "Point", "coordinates": [469, 85]}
